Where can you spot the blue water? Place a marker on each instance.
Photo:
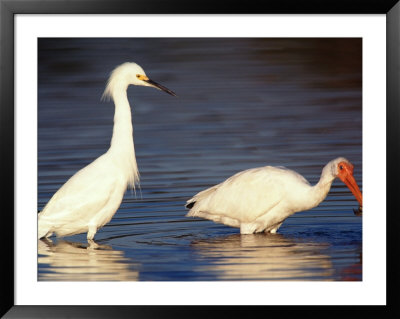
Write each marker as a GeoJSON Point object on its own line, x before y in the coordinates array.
{"type": "Point", "coordinates": [241, 103]}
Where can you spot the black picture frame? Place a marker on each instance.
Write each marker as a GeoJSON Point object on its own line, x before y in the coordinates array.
{"type": "Point", "coordinates": [8, 10]}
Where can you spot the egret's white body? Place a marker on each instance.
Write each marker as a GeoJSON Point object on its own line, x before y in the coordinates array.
{"type": "Point", "coordinates": [260, 199]}
{"type": "Point", "coordinates": [90, 198]}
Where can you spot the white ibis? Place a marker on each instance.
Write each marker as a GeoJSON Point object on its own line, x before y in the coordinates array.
{"type": "Point", "coordinates": [260, 199]}
{"type": "Point", "coordinates": [90, 198]}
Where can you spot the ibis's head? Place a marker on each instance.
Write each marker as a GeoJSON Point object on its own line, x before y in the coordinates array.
{"type": "Point", "coordinates": [130, 73]}
{"type": "Point", "coordinates": [343, 169]}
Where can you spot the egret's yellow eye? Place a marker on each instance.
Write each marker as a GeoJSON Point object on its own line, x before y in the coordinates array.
{"type": "Point", "coordinates": [142, 77]}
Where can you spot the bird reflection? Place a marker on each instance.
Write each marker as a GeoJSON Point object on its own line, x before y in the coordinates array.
{"type": "Point", "coordinates": [264, 257]}
{"type": "Point", "coordinates": [69, 261]}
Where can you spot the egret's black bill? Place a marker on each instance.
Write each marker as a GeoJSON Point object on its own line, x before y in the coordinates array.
{"type": "Point", "coordinates": [159, 86]}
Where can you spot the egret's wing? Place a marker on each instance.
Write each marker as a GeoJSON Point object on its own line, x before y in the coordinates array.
{"type": "Point", "coordinates": [83, 195]}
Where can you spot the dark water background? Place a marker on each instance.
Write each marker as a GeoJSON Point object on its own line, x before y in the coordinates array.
{"type": "Point", "coordinates": [242, 103]}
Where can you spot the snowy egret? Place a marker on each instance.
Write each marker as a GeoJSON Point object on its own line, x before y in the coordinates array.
{"type": "Point", "coordinates": [260, 199]}
{"type": "Point", "coordinates": [90, 198]}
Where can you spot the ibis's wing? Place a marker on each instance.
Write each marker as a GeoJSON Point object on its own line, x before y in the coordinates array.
{"type": "Point", "coordinates": [244, 196]}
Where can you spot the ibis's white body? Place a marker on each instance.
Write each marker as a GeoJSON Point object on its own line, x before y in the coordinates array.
{"type": "Point", "coordinates": [260, 199]}
{"type": "Point", "coordinates": [90, 198]}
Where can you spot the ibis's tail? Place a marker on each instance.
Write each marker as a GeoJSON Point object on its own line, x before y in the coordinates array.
{"type": "Point", "coordinates": [44, 229]}
{"type": "Point", "coordinates": [199, 199]}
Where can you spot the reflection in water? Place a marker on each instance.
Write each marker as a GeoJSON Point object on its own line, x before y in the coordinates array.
{"type": "Point", "coordinates": [75, 262]}
{"type": "Point", "coordinates": [353, 272]}
{"type": "Point", "coordinates": [264, 257]}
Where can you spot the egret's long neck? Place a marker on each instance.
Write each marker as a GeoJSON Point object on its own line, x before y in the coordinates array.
{"type": "Point", "coordinates": [122, 138]}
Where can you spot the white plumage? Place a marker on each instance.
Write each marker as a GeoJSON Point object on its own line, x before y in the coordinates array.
{"type": "Point", "coordinates": [260, 199]}
{"type": "Point", "coordinates": [90, 198]}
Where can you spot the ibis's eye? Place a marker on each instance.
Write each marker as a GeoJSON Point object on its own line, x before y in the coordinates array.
{"type": "Point", "coordinates": [340, 167]}
{"type": "Point", "coordinates": [138, 76]}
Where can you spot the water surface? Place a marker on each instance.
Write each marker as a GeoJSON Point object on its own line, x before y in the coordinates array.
{"type": "Point", "coordinates": [241, 103]}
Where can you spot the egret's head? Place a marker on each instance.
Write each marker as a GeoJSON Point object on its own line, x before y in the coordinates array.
{"type": "Point", "coordinates": [343, 169]}
{"type": "Point", "coordinates": [130, 73]}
